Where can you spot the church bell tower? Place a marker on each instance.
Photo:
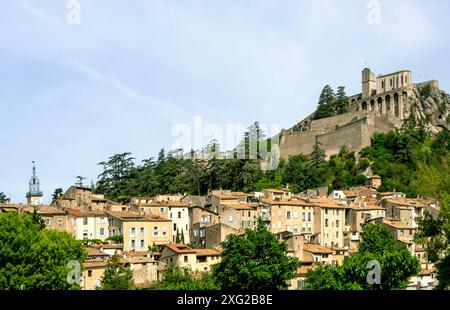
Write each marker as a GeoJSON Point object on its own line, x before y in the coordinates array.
{"type": "Point", "coordinates": [34, 195]}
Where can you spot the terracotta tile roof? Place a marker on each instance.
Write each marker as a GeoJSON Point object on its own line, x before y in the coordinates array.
{"type": "Point", "coordinates": [140, 253]}
{"type": "Point", "coordinates": [49, 210]}
{"type": "Point", "coordinates": [303, 270]}
{"type": "Point", "coordinates": [92, 251]}
{"type": "Point", "coordinates": [83, 213]}
{"type": "Point", "coordinates": [407, 202]}
{"type": "Point", "coordinates": [108, 246]}
{"type": "Point", "coordinates": [180, 248]}
{"type": "Point", "coordinates": [327, 203]}
{"type": "Point", "coordinates": [139, 259]}
{"type": "Point", "coordinates": [274, 190]}
{"type": "Point", "coordinates": [396, 223]}
{"type": "Point", "coordinates": [95, 263]}
{"type": "Point", "coordinates": [207, 252]}
{"type": "Point", "coordinates": [287, 202]}
{"type": "Point", "coordinates": [315, 248]}
{"type": "Point", "coordinates": [359, 191]}
{"type": "Point", "coordinates": [242, 206]}
{"type": "Point", "coordinates": [366, 206]}
{"type": "Point", "coordinates": [133, 216]}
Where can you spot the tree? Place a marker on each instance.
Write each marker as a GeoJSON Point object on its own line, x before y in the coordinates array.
{"type": "Point", "coordinates": [317, 155]}
{"type": "Point", "coordinates": [325, 104]}
{"type": "Point", "coordinates": [57, 193]}
{"type": "Point", "coordinates": [35, 258]}
{"type": "Point", "coordinates": [116, 238]}
{"type": "Point", "coordinates": [340, 105]}
{"type": "Point", "coordinates": [2, 197]}
{"type": "Point", "coordinates": [117, 276]}
{"type": "Point", "coordinates": [396, 263]}
{"type": "Point", "coordinates": [179, 278]}
{"type": "Point", "coordinates": [182, 236]}
{"type": "Point", "coordinates": [255, 261]}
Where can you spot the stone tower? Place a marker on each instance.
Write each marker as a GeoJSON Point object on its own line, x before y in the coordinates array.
{"type": "Point", "coordinates": [34, 195]}
{"type": "Point", "coordinates": [369, 83]}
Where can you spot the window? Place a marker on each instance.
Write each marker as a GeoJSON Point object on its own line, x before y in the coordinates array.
{"type": "Point", "coordinates": [326, 222]}
{"type": "Point", "coordinates": [390, 82]}
{"type": "Point", "coordinates": [102, 220]}
{"type": "Point", "coordinates": [142, 231]}
{"type": "Point", "coordinates": [194, 232]}
{"type": "Point", "coordinates": [102, 231]}
{"type": "Point", "coordinates": [155, 227]}
{"type": "Point", "coordinates": [326, 211]}
{"type": "Point", "coordinates": [164, 233]}
{"type": "Point", "coordinates": [249, 223]}
{"type": "Point", "coordinates": [142, 243]}
{"type": "Point", "coordinates": [185, 258]}
{"type": "Point", "coordinates": [300, 283]}
{"type": "Point", "coordinates": [288, 215]}
{"type": "Point", "coordinates": [155, 234]}
{"type": "Point", "coordinates": [174, 226]}
{"type": "Point", "coordinates": [230, 219]}
{"type": "Point", "coordinates": [242, 213]}
{"type": "Point", "coordinates": [89, 273]}
{"type": "Point", "coordinates": [85, 221]}
{"type": "Point", "coordinates": [161, 210]}
{"type": "Point", "coordinates": [249, 214]}
{"type": "Point", "coordinates": [295, 215]}
{"type": "Point", "coordinates": [337, 234]}
{"type": "Point", "coordinates": [337, 223]}
{"type": "Point", "coordinates": [60, 222]}
{"type": "Point", "coordinates": [402, 232]}
{"type": "Point", "coordinates": [303, 216]}
{"type": "Point", "coordinates": [309, 216]}
{"type": "Point", "coordinates": [133, 232]}
{"type": "Point", "coordinates": [382, 84]}
{"type": "Point", "coordinates": [133, 243]}
{"type": "Point", "coordinates": [243, 224]}
{"type": "Point", "coordinates": [179, 215]}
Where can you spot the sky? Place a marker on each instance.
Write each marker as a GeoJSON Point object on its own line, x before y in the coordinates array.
{"type": "Point", "coordinates": [125, 76]}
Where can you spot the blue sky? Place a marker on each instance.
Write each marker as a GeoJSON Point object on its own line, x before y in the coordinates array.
{"type": "Point", "coordinates": [73, 95]}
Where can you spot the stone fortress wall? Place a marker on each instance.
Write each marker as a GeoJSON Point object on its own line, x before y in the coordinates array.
{"type": "Point", "coordinates": [381, 107]}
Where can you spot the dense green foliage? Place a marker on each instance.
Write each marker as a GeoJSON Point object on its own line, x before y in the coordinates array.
{"type": "Point", "coordinates": [396, 262]}
{"type": "Point", "coordinates": [408, 160]}
{"type": "Point", "coordinates": [179, 278]}
{"type": "Point", "coordinates": [434, 234]}
{"type": "Point", "coordinates": [255, 261]}
{"type": "Point", "coordinates": [117, 276]}
{"type": "Point", "coordinates": [412, 162]}
{"type": "Point", "coordinates": [35, 258]}
{"type": "Point", "coordinates": [2, 197]}
{"type": "Point", "coordinates": [331, 104]}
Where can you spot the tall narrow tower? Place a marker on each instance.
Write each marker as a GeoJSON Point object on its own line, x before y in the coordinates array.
{"type": "Point", "coordinates": [34, 195]}
{"type": "Point", "coordinates": [369, 82]}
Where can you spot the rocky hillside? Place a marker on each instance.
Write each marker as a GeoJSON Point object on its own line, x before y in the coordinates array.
{"type": "Point", "coordinates": [429, 106]}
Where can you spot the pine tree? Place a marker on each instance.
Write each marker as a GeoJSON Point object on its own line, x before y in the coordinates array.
{"type": "Point", "coordinates": [325, 105]}
{"type": "Point", "coordinates": [317, 155]}
{"type": "Point", "coordinates": [182, 236]}
{"type": "Point", "coordinates": [117, 276]}
{"type": "Point", "coordinates": [341, 102]}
